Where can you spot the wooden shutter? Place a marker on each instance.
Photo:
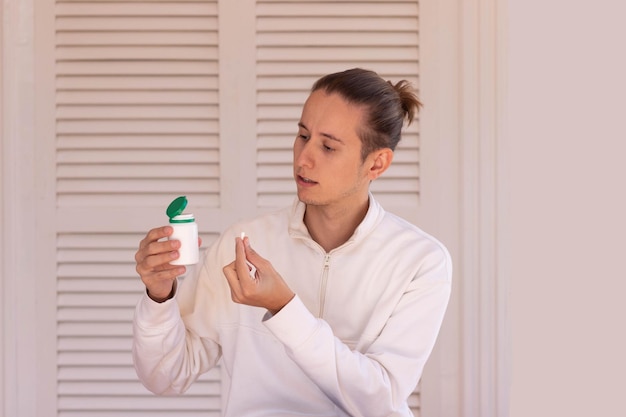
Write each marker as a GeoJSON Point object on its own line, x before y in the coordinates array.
{"type": "Point", "coordinates": [298, 42]}
{"type": "Point", "coordinates": [136, 126]}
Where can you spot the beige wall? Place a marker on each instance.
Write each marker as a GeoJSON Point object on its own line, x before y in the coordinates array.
{"type": "Point", "coordinates": [564, 218]}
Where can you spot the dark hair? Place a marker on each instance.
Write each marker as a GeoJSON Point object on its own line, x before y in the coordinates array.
{"type": "Point", "coordinates": [386, 105]}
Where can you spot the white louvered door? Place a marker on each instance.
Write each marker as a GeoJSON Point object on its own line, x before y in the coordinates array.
{"type": "Point", "coordinates": [143, 114]}
{"type": "Point", "coordinates": [136, 125]}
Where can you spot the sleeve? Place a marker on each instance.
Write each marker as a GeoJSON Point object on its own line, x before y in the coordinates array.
{"type": "Point", "coordinates": [168, 352]}
{"type": "Point", "coordinates": [376, 382]}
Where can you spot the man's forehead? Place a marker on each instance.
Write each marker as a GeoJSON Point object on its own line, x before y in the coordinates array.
{"type": "Point", "coordinates": [331, 109]}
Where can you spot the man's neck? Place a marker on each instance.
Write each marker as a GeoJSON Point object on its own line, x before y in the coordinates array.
{"type": "Point", "coordinates": [331, 227]}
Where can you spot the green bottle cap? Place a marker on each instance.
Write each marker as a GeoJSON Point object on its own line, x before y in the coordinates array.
{"type": "Point", "coordinates": [176, 207]}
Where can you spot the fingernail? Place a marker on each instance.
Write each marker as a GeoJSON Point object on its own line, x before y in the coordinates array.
{"type": "Point", "coordinates": [174, 255]}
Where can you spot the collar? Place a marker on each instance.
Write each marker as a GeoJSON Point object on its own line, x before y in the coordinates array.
{"type": "Point", "coordinates": [298, 229]}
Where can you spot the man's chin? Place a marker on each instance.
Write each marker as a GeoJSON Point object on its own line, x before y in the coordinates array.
{"type": "Point", "coordinates": [307, 199]}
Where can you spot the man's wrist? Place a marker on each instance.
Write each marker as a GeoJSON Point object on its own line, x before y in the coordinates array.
{"type": "Point", "coordinates": [274, 311]}
{"type": "Point", "coordinates": [163, 299]}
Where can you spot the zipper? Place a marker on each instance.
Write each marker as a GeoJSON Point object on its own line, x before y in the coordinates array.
{"type": "Point", "coordinates": [323, 284]}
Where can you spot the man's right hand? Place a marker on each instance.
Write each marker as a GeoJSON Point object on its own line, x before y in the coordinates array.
{"type": "Point", "coordinates": [153, 263]}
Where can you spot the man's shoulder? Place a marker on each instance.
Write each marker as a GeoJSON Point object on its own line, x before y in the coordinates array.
{"type": "Point", "coordinates": [401, 230]}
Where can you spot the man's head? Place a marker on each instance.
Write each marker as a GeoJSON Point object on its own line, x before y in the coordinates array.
{"type": "Point", "coordinates": [348, 129]}
{"type": "Point", "coordinates": [386, 105]}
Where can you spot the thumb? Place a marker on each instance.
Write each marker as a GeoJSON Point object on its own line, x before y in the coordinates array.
{"type": "Point", "coordinates": [251, 254]}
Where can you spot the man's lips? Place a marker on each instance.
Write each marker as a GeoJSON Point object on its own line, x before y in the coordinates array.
{"type": "Point", "coordinates": [305, 181]}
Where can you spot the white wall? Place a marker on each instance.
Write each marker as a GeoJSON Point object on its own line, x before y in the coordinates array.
{"type": "Point", "coordinates": [565, 214]}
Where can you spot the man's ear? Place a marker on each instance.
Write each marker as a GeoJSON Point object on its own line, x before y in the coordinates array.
{"type": "Point", "coordinates": [379, 160]}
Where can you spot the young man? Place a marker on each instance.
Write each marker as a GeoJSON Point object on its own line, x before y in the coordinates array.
{"type": "Point", "coordinates": [347, 299]}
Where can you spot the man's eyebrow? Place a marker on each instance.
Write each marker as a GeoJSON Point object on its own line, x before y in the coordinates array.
{"type": "Point", "coordinates": [331, 137]}
{"type": "Point", "coordinates": [328, 135]}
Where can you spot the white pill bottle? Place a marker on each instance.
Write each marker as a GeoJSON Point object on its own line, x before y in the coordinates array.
{"type": "Point", "coordinates": [185, 230]}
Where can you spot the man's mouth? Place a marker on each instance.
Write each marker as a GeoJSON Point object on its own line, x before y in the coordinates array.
{"type": "Point", "coordinates": [306, 180]}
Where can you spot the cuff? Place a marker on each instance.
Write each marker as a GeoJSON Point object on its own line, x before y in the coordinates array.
{"type": "Point", "coordinates": [293, 325]}
{"type": "Point", "coordinates": [150, 314]}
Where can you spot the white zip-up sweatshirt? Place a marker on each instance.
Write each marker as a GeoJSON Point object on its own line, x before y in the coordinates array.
{"type": "Point", "coordinates": [352, 342]}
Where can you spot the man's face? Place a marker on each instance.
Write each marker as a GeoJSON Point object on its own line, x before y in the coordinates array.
{"type": "Point", "coordinates": [327, 164]}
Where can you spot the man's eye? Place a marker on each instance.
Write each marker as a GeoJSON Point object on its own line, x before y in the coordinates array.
{"type": "Point", "coordinates": [303, 137]}
{"type": "Point", "coordinates": [328, 148]}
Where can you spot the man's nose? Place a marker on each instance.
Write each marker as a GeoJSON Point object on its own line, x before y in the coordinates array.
{"type": "Point", "coordinates": [304, 155]}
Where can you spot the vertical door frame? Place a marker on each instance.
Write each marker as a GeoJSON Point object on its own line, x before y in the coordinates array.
{"type": "Point", "coordinates": [485, 327]}
{"type": "Point", "coordinates": [439, 90]}
{"type": "Point", "coordinates": [27, 219]}
{"type": "Point", "coordinates": [46, 221]}
{"type": "Point", "coordinates": [3, 290]}
{"type": "Point", "coordinates": [463, 85]}
{"type": "Point", "coordinates": [237, 106]}
{"type": "Point", "coordinates": [18, 268]}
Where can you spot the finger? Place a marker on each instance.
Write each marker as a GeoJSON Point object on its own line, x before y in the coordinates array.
{"type": "Point", "coordinates": [164, 246]}
{"type": "Point", "coordinates": [230, 272]}
{"type": "Point", "coordinates": [157, 248]}
{"type": "Point", "coordinates": [152, 236]}
{"type": "Point", "coordinates": [156, 234]}
{"type": "Point", "coordinates": [251, 255]}
{"type": "Point", "coordinates": [243, 265]}
{"type": "Point", "coordinates": [159, 262]}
